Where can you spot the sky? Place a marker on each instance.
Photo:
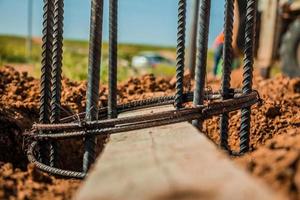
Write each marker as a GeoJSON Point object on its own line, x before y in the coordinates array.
{"type": "Point", "coordinates": [140, 21]}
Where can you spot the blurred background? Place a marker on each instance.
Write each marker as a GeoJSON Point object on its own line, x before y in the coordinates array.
{"type": "Point", "coordinates": [147, 36]}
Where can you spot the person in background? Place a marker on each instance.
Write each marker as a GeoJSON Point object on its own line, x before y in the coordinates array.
{"type": "Point", "coordinates": [218, 56]}
{"type": "Point", "coordinates": [218, 52]}
{"type": "Point", "coordinates": [238, 39]}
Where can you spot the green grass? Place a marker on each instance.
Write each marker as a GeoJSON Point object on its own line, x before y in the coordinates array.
{"type": "Point", "coordinates": [75, 57]}
{"type": "Point", "coordinates": [75, 62]}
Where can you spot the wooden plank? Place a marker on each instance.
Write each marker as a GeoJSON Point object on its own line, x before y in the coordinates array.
{"type": "Point", "coordinates": [169, 162]}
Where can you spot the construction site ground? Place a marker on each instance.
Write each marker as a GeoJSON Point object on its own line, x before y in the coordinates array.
{"type": "Point", "coordinates": [275, 132]}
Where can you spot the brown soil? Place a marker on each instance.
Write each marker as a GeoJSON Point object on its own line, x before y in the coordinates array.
{"type": "Point", "coordinates": [19, 98]}
{"type": "Point", "coordinates": [275, 134]}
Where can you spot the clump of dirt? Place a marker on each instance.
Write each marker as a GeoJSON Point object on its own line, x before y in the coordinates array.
{"type": "Point", "coordinates": [277, 115]}
{"type": "Point", "coordinates": [33, 184]}
{"type": "Point", "coordinates": [275, 135]}
{"type": "Point", "coordinates": [277, 162]}
{"type": "Point", "coordinates": [147, 86]}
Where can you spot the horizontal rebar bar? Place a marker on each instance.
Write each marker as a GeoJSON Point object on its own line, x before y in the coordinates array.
{"type": "Point", "coordinates": [146, 103]}
{"type": "Point", "coordinates": [114, 126]}
{"type": "Point", "coordinates": [214, 108]}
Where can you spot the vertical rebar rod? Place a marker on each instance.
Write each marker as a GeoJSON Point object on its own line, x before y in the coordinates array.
{"type": "Point", "coordinates": [29, 29]}
{"type": "Point", "coordinates": [227, 64]}
{"type": "Point", "coordinates": [200, 75]}
{"type": "Point", "coordinates": [46, 70]}
{"type": "Point", "coordinates": [191, 60]}
{"type": "Point", "coordinates": [56, 72]}
{"type": "Point", "coordinates": [180, 53]}
{"type": "Point", "coordinates": [248, 73]}
{"type": "Point", "coordinates": [113, 56]}
{"type": "Point", "coordinates": [93, 79]}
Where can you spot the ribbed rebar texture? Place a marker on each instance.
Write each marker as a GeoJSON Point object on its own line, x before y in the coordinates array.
{"type": "Point", "coordinates": [204, 16]}
{"type": "Point", "coordinates": [248, 73]}
{"type": "Point", "coordinates": [46, 69]}
{"type": "Point", "coordinates": [111, 126]}
{"type": "Point", "coordinates": [65, 173]}
{"type": "Point", "coordinates": [57, 52]}
{"type": "Point", "coordinates": [93, 79]}
{"type": "Point", "coordinates": [180, 53]}
{"type": "Point", "coordinates": [191, 60]}
{"type": "Point", "coordinates": [227, 64]}
{"type": "Point", "coordinates": [125, 124]}
{"type": "Point", "coordinates": [113, 56]}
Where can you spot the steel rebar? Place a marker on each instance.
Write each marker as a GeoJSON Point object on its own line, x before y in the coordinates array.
{"type": "Point", "coordinates": [227, 64]}
{"type": "Point", "coordinates": [191, 60]}
{"type": "Point", "coordinates": [93, 79]}
{"type": "Point", "coordinates": [113, 56]}
{"type": "Point", "coordinates": [56, 88]}
{"type": "Point", "coordinates": [248, 73]}
{"type": "Point", "coordinates": [180, 53]}
{"type": "Point", "coordinates": [200, 75]}
{"type": "Point", "coordinates": [50, 129]}
{"type": "Point", "coordinates": [29, 30]}
{"type": "Point", "coordinates": [46, 70]}
{"type": "Point", "coordinates": [52, 170]}
{"type": "Point", "coordinates": [110, 126]}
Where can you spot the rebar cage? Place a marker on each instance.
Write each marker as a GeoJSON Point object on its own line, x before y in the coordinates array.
{"type": "Point", "coordinates": [104, 121]}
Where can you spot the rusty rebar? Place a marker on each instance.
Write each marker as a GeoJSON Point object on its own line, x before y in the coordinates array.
{"type": "Point", "coordinates": [93, 79]}
{"type": "Point", "coordinates": [248, 73]}
{"type": "Point", "coordinates": [180, 53]}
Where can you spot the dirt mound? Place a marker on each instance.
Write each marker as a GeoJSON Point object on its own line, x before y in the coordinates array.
{"type": "Point", "coordinates": [33, 184]}
{"type": "Point", "coordinates": [275, 138]}
{"type": "Point", "coordinates": [278, 114]}
{"type": "Point", "coordinates": [277, 163]}
{"type": "Point", "coordinates": [19, 103]}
